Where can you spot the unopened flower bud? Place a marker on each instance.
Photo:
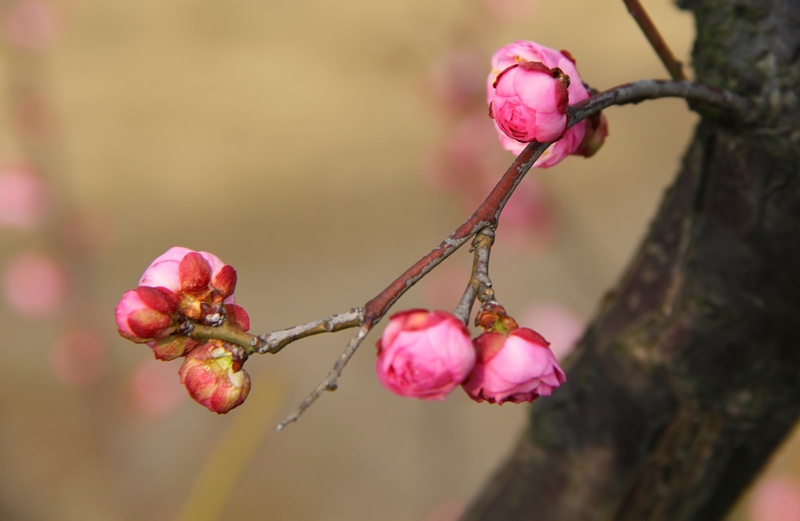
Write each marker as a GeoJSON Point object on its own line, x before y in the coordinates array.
{"type": "Point", "coordinates": [513, 367]}
{"type": "Point", "coordinates": [172, 347]}
{"type": "Point", "coordinates": [424, 354]}
{"type": "Point", "coordinates": [213, 375]}
{"type": "Point", "coordinates": [145, 313]}
{"type": "Point", "coordinates": [519, 53]}
{"type": "Point", "coordinates": [530, 102]}
{"type": "Point", "coordinates": [202, 283]}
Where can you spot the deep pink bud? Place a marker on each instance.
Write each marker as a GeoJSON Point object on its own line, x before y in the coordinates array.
{"type": "Point", "coordinates": [158, 299]}
{"type": "Point", "coordinates": [213, 376]}
{"type": "Point", "coordinates": [424, 354]}
{"type": "Point", "coordinates": [138, 321]}
{"type": "Point", "coordinates": [524, 51]}
{"type": "Point", "coordinates": [225, 280]}
{"type": "Point", "coordinates": [514, 367]}
{"type": "Point", "coordinates": [194, 272]}
{"type": "Point", "coordinates": [530, 102]}
{"type": "Point", "coordinates": [237, 316]}
{"type": "Point", "coordinates": [172, 347]}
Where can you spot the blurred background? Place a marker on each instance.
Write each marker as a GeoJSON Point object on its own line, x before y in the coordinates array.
{"type": "Point", "coordinates": [320, 148]}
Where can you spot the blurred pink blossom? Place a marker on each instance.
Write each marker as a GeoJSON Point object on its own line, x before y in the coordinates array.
{"type": "Point", "coordinates": [510, 10]}
{"type": "Point", "coordinates": [79, 356]}
{"type": "Point", "coordinates": [469, 163]}
{"type": "Point", "coordinates": [466, 157]}
{"type": "Point", "coordinates": [424, 354]}
{"type": "Point", "coordinates": [88, 233]}
{"type": "Point", "coordinates": [776, 497]}
{"type": "Point", "coordinates": [30, 25]}
{"type": "Point", "coordinates": [556, 322]}
{"type": "Point", "coordinates": [449, 510]}
{"type": "Point", "coordinates": [513, 367]}
{"type": "Point", "coordinates": [24, 198]}
{"type": "Point", "coordinates": [154, 389]}
{"type": "Point", "coordinates": [35, 284]}
{"type": "Point", "coordinates": [444, 286]}
{"type": "Point", "coordinates": [455, 81]}
{"type": "Point", "coordinates": [528, 221]}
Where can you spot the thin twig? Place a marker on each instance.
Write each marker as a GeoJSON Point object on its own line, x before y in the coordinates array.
{"type": "Point", "coordinates": [274, 341]}
{"type": "Point", "coordinates": [331, 381]}
{"type": "Point", "coordinates": [488, 213]}
{"type": "Point", "coordinates": [673, 65]}
{"type": "Point", "coordinates": [479, 281]}
{"type": "Point", "coordinates": [740, 108]}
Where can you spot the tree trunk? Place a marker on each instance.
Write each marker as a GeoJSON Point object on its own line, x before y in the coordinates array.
{"type": "Point", "coordinates": [689, 376]}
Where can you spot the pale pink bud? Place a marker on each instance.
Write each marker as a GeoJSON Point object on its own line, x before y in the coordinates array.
{"type": "Point", "coordinates": [199, 270]}
{"type": "Point", "coordinates": [146, 313]}
{"type": "Point", "coordinates": [24, 198]}
{"type": "Point", "coordinates": [35, 284]}
{"type": "Point", "coordinates": [424, 354]}
{"type": "Point", "coordinates": [530, 102]}
{"type": "Point", "coordinates": [213, 375]}
{"type": "Point", "coordinates": [514, 367]}
{"type": "Point", "coordinates": [525, 51]}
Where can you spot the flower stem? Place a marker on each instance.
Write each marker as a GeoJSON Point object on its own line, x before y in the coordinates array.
{"type": "Point", "coordinates": [673, 65]}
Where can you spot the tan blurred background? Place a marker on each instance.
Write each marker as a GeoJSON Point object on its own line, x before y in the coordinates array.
{"type": "Point", "coordinates": [288, 138]}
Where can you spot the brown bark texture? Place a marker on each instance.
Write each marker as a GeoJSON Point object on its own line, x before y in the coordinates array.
{"type": "Point", "coordinates": [689, 375]}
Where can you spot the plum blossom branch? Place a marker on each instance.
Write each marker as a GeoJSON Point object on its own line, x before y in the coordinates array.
{"type": "Point", "coordinates": [225, 332]}
{"type": "Point", "coordinates": [274, 341]}
{"type": "Point", "coordinates": [673, 65]}
{"type": "Point", "coordinates": [480, 285]}
{"type": "Point", "coordinates": [740, 108]}
{"type": "Point", "coordinates": [486, 216]}
{"type": "Point", "coordinates": [331, 380]}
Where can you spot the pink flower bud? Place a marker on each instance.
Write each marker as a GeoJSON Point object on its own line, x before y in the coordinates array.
{"type": "Point", "coordinates": [237, 316]}
{"type": "Point", "coordinates": [165, 271]}
{"type": "Point", "coordinates": [194, 273]}
{"type": "Point", "coordinates": [201, 280]}
{"type": "Point", "coordinates": [424, 354]}
{"type": "Point", "coordinates": [514, 367]}
{"type": "Point", "coordinates": [172, 347]}
{"type": "Point", "coordinates": [213, 375]}
{"type": "Point", "coordinates": [530, 102]}
{"type": "Point", "coordinates": [146, 313]}
{"type": "Point", "coordinates": [524, 51]}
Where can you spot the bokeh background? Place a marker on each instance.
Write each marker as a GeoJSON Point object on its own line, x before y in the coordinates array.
{"type": "Point", "coordinates": [320, 148]}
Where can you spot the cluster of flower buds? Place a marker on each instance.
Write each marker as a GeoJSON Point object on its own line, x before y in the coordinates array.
{"type": "Point", "coordinates": [427, 354]}
{"type": "Point", "coordinates": [528, 91]}
{"type": "Point", "coordinates": [180, 290]}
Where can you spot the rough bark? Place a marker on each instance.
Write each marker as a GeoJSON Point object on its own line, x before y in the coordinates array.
{"type": "Point", "coordinates": [688, 377]}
